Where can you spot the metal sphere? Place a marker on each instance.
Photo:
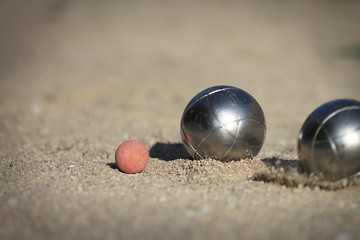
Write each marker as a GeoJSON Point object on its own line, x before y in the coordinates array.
{"type": "Point", "coordinates": [329, 140]}
{"type": "Point", "coordinates": [224, 123]}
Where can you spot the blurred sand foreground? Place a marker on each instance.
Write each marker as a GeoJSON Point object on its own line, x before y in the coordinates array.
{"type": "Point", "coordinates": [80, 77]}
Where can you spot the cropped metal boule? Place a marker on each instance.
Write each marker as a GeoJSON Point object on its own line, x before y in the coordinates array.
{"type": "Point", "coordinates": [223, 122]}
{"type": "Point", "coordinates": [329, 140]}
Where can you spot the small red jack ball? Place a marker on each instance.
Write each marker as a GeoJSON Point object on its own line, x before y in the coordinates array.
{"type": "Point", "coordinates": [131, 156]}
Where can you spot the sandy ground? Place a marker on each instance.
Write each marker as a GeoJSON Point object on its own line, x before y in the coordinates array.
{"type": "Point", "coordinates": [80, 77]}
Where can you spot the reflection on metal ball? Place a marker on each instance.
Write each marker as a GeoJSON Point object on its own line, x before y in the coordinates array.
{"type": "Point", "coordinates": [329, 140]}
{"type": "Point", "coordinates": [224, 123]}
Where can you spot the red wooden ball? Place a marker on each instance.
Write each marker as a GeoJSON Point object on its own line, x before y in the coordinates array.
{"type": "Point", "coordinates": [131, 156]}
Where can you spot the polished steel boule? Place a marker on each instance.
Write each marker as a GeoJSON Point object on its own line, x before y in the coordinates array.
{"type": "Point", "coordinates": [329, 140]}
{"type": "Point", "coordinates": [223, 122]}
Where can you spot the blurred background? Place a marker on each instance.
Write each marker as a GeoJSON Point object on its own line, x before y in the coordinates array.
{"type": "Point", "coordinates": [130, 67]}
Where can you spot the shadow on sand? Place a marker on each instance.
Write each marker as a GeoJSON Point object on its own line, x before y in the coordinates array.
{"type": "Point", "coordinates": [112, 165]}
{"type": "Point", "coordinates": [278, 163]}
{"type": "Point", "coordinates": [168, 151]}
